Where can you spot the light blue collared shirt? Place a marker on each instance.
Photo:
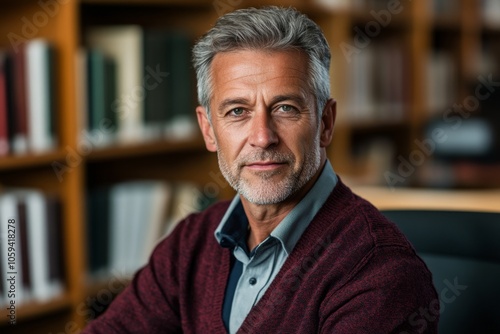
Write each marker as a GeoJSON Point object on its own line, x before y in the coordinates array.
{"type": "Point", "coordinates": [262, 264]}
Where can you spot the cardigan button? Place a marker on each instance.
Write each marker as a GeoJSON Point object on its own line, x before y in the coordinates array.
{"type": "Point", "coordinates": [252, 280]}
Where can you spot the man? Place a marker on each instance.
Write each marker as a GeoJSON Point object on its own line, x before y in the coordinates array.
{"type": "Point", "coordinates": [295, 251]}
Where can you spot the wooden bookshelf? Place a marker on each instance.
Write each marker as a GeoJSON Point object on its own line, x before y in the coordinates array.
{"type": "Point", "coordinates": [40, 309]}
{"type": "Point", "coordinates": [430, 199]}
{"type": "Point", "coordinates": [414, 28]}
{"type": "Point", "coordinates": [137, 150]}
{"type": "Point", "coordinates": [29, 161]}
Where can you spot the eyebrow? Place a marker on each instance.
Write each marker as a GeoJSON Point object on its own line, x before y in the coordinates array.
{"type": "Point", "coordinates": [229, 102]}
{"type": "Point", "coordinates": [289, 97]}
{"type": "Point", "coordinates": [298, 98]}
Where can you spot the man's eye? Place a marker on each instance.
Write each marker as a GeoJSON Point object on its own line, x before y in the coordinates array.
{"type": "Point", "coordinates": [237, 111]}
{"type": "Point", "coordinates": [286, 108]}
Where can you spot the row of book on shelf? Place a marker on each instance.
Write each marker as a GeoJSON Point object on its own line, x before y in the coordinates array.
{"type": "Point", "coordinates": [31, 258]}
{"type": "Point", "coordinates": [489, 9]}
{"type": "Point", "coordinates": [377, 79]}
{"type": "Point", "coordinates": [124, 223]}
{"type": "Point", "coordinates": [133, 84]}
{"type": "Point", "coordinates": [27, 116]}
{"type": "Point", "coordinates": [136, 84]}
{"type": "Point", "coordinates": [379, 82]}
{"type": "Point", "coordinates": [126, 220]}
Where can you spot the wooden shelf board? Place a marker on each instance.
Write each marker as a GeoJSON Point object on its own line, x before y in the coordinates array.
{"type": "Point", "coordinates": [38, 309]}
{"type": "Point", "coordinates": [489, 28]}
{"type": "Point", "coordinates": [113, 284]}
{"type": "Point", "coordinates": [364, 16]}
{"type": "Point", "coordinates": [146, 149]}
{"type": "Point", "coordinates": [148, 2]}
{"type": "Point", "coordinates": [30, 160]}
{"type": "Point", "coordinates": [414, 199]}
{"type": "Point", "coordinates": [451, 22]}
{"type": "Point", "coordinates": [379, 125]}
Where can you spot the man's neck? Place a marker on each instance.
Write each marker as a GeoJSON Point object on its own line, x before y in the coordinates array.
{"type": "Point", "coordinates": [263, 219]}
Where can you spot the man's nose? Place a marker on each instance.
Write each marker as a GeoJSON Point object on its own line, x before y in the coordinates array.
{"type": "Point", "coordinates": [262, 130]}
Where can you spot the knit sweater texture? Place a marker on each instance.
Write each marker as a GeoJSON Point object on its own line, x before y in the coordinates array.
{"type": "Point", "coordinates": [352, 271]}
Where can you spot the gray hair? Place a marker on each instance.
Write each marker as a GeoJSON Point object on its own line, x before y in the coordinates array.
{"type": "Point", "coordinates": [270, 28]}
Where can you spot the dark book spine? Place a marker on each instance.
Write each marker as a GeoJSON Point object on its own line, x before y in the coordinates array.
{"type": "Point", "coordinates": [20, 103]}
{"type": "Point", "coordinates": [4, 134]}
{"type": "Point", "coordinates": [181, 76]}
{"type": "Point", "coordinates": [23, 229]}
{"type": "Point", "coordinates": [56, 263]}
{"type": "Point", "coordinates": [156, 55]}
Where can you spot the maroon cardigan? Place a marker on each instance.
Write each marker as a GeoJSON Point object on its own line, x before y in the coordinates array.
{"type": "Point", "coordinates": [352, 271]}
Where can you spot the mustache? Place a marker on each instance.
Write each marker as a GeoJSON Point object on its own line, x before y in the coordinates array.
{"type": "Point", "coordinates": [265, 155]}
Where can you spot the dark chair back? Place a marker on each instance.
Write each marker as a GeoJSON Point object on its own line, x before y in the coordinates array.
{"type": "Point", "coordinates": [462, 250]}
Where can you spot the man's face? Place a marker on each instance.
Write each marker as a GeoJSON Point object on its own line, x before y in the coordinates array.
{"type": "Point", "coordinates": [264, 125]}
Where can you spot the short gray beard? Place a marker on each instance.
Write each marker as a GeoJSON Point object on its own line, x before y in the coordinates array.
{"type": "Point", "coordinates": [268, 193]}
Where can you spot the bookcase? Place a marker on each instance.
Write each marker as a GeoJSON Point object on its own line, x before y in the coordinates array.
{"type": "Point", "coordinates": [385, 55]}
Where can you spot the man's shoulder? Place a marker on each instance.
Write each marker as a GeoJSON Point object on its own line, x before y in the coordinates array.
{"type": "Point", "coordinates": [356, 221]}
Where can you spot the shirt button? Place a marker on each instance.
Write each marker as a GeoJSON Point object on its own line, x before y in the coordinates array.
{"type": "Point", "coordinates": [252, 281]}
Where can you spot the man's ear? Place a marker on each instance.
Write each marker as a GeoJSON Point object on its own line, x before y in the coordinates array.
{"type": "Point", "coordinates": [327, 122]}
{"type": "Point", "coordinates": [206, 129]}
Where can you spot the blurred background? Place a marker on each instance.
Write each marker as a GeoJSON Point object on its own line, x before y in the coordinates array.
{"type": "Point", "coordinates": [99, 145]}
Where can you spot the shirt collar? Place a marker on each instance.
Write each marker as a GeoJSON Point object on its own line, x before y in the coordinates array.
{"type": "Point", "coordinates": [233, 228]}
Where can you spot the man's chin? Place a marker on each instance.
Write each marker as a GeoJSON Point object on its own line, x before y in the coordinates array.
{"type": "Point", "coordinates": [265, 192]}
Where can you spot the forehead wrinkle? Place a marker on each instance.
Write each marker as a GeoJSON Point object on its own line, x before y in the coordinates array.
{"type": "Point", "coordinates": [235, 79]}
{"type": "Point", "coordinates": [254, 69]}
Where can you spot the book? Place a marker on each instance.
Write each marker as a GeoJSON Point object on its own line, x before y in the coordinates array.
{"type": "Point", "coordinates": [156, 218]}
{"type": "Point", "coordinates": [23, 228]}
{"type": "Point", "coordinates": [124, 45]}
{"type": "Point", "coordinates": [38, 243]}
{"type": "Point", "coordinates": [181, 122]}
{"type": "Point", "coordinates": [40, 90]}
{"type": "Point", "coordinates": [155, 82]}
{"type": "Point", "coordinates": [392, 92]}
{"type": "Point", "coordinates": [361, 101]}
{"type": "Point", "coordinates": [377, 90]}
{"type": "Point", "coordinates": [128, 219]}
{"type": "Point", "coordinates": [11, 247]}
{"type": "Point", "coordinates": [491, 12]}
{"type": "Point", "coordinates": [55, 245]}
{"type": "Point", "coordinates": [169, 84]}
{"type": "Point", "coordinates": [441, 80]}
{"type": "Point", "coordinates": [138, 215]}
{"type": "Point", "coordinates": [156, 50]}
{"type": "Point", "coordinates": [101, 94]}
{"type": "Point", "coordinates": [98, 234]}
{"type": "Point", "coordinates": [36, 213]}
{"type": "Point", "coordinates": [19, 102]}
{"type": "Point", "coordinates": [120, 210]}
{"type": "Point", "coordinates": [4, 106]}
{"type": "Point", "coordinates": [445, 7]}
